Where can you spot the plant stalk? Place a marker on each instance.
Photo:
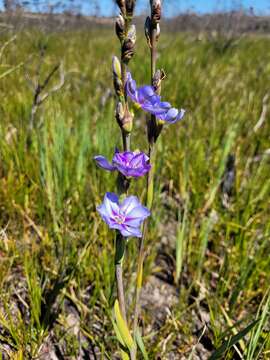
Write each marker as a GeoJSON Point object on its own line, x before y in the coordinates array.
{"type": "Point", "coordinates": [149, 190]}
{"type": "Point", "coordinates": [123, 185]}
{"type": "Point", "coordinates": [119, 256]}
{"type": "Point", "coordinates": [126, 140]}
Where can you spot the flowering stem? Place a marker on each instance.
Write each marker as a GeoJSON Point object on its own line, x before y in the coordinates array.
{"type": "Point", "coordinates": [123, 185]}
{"type": "Point", "coordinates": [153, 53]}
{"type": "Point", "coordinates": [126, 140]}
{"type": "Point", "coordinates": [152, 131]}
{"type": "Point", "coordinates": [119, 256]}
{"type": "Point", "coordinates": [149, 202]}
{"type": "Point", "coordinates": [120, 240]}
{"type": "Point", "coordinates": [120, 245]}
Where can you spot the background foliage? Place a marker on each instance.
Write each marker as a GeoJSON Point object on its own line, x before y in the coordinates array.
{"type": "Point", "coordinates": [207, 273]}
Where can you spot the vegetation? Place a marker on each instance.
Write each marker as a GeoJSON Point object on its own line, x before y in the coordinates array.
{"type": "Point", "coordinates": [207, 271]}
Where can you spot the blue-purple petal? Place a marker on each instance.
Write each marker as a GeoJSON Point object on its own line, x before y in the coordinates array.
{"type": "Point", "coordinates": [129, 204]}
{"type": "Point", "coordinates": [173, 115]}
{"type": "Point", "coordinates": [146, 97]}
{"type": "Point", "coordinates": [111, 204]}
{"type": "Point", "coordinates": [103, 163]}
{"type": "Point", "coordinates": [129, 231]}
{"type": "Point", "coordinates": [125, 217]}
{"type": "Point", "coordinates": [139, 212]}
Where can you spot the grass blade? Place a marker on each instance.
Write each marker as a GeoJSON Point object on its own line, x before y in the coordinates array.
{"type": "Point", "coordinates": [232, 341]}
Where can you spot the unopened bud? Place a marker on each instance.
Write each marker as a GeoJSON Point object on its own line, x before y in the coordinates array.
{"type": "Point", "coordinates": [117, 82]}
{"type": "Point", "coordinates": [130, 5]}
{"type": "Point", "coordinates": [157, 32]}
{"type": "Point", "coordinates": [155, 11]}
{"type": "Point", "coordinates": [128, 121]}
{"type": "Point", "coordinates": [120, 27]}
{"type": "Point", "coordinates": [124, 117]}
{"type": "Point", "coordinates": [122, 6]}
{"type": "Point", "coordinates": [157, 79]}
{"type": "Point", "coordinates": [119, 113]}
{"type": "Point", "coordinates": [129, 44]}
{"type": "Point", "coordinates": [147, 30]}
{"type": "Point", "coordinates": [116, 66]}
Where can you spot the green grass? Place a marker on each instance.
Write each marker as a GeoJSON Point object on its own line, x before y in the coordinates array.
{"type": "Point", "coordinates": [55, 252]}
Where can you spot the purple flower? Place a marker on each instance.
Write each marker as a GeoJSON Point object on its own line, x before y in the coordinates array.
{"type": "Point", "coordinates": [149, 101]}
{"type": "Point", "coordinates": [126, 216]}
{"type": "Point", "coordinates": [128, 163]}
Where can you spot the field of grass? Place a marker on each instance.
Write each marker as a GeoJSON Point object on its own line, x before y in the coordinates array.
{"type": "Point", "coordinates": [207, 270]}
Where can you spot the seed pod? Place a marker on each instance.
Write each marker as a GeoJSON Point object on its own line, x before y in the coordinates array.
{"type": "Point", "coordinates": [129, 44]}
{"type": "Point", "coordinates": [120, 27]}
{"type": "Point", "coordinates": [122, 6]}
{"type": "Point", "coordinates": [155, 11]}
{"type": "Point", "coordinates": [117, 82]}
{"type": "Point", "coordinates": [130, 5]}
{"type": "Point", "coordinates": [147, 30]}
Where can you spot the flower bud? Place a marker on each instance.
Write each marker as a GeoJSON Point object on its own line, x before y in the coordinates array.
{"type": "Point", "coordinates": [128, 121]}
{"type": "Point", "coordinates": [117, 82]}
{"type": "Point", "coordinates": [129, 44]}
{"type": "Point", "coordinates": [157, 32]}
{"type": "Point", "coordinates": [147, 30]}
{"type": "Point", "coordinates": [157, 79]}
{"type": "Point", "coordinates": [120, 27]}
{"type": "Point", "coordinates": [130, 4]}
{"type": "Point", "coordinates": [155, 11]}
{"type": "Point", "coordinates": [122, 6]}
{"type": "Point", "coordinates": [119, 114]}
{"type": "Point", "coordinates": [124, 117]}
{"type": "Point", "coordinates": [116, 66]}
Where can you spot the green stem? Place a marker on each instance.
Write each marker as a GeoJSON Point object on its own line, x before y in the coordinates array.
{"type": "Point", "coordinates": [149, 202]}
{"type": "Point", "coordinates": [119, 256]}
{"type": "Point", "coordinates": [153, 53]}
{"type": "Point", "coordinates": [126, 140]}
{"type": "Point", "coordinates": [152, 131]}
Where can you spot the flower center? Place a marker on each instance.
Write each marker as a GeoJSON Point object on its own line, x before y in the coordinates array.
{"type": "Point", "coordinates": [120, 219]}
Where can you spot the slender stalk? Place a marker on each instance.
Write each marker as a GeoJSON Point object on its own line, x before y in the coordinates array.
{"type": "Point", "coordinates": [123, 185]}
{"type": "Point", "coordinates": [120, 290]}
{"type": "Point", "coordinates": [120, 240]}
{"type": "Point", "coordinates": [150, 188]}
{"type": "Point", "coordinates": [119, 256]}
{"type": "Point", "coordinates": [126, 140]}
{"type": "Point", "coordinates": [153, 54]}
{"type": "Point", "coordinates": [149, 201]}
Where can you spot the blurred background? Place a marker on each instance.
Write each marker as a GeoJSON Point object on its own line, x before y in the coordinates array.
{"type": "Point", "coordinates": [182, 15]}
{"type": "Point", "coordinates": [109, 8]}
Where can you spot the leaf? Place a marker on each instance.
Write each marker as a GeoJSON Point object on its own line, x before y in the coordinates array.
{"type": "Point", "coordinates": [122, 327]}
{"type": "Point", "coordinates": [117, 333]}
{"type": "Point", "coordinates": [140, 343]}
{"type": "Point", "coordinates": [124, 355]}
{"type": "Point", "coordinates": [9, 71]}
{"type": "Point", "coordinates": [232, 341]}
